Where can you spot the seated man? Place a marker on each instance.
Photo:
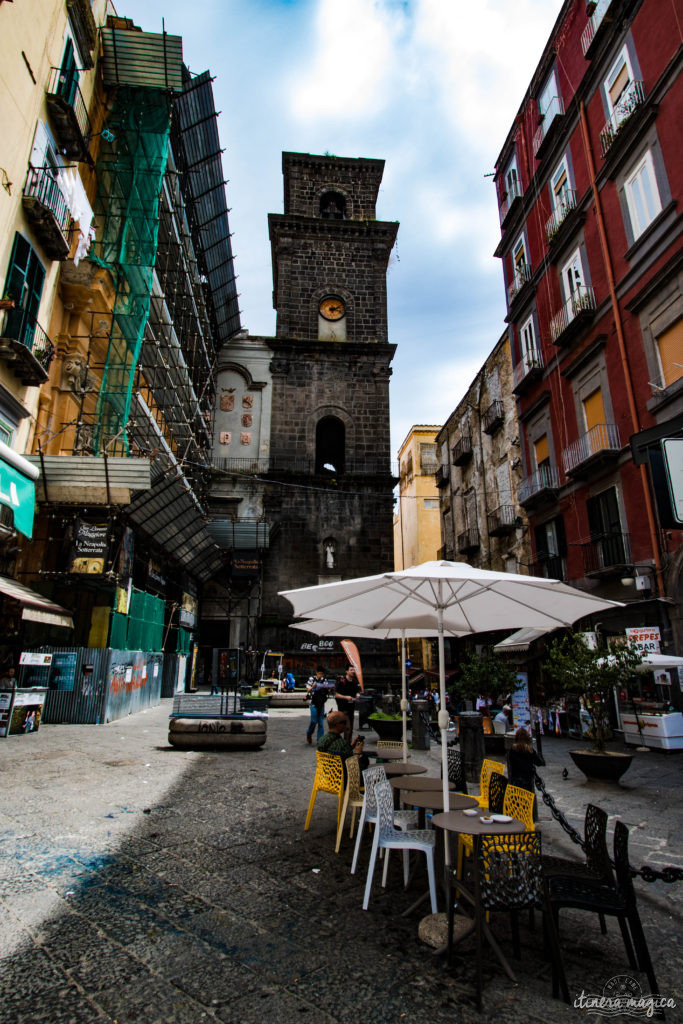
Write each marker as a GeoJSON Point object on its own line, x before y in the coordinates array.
{"type": "Point", "coordinates": [334, 741]}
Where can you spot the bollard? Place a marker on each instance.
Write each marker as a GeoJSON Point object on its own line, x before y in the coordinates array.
{"type": "Point", "coordinates": [419, 731]}
{"type": "Point", "coordinates": [471, 743]}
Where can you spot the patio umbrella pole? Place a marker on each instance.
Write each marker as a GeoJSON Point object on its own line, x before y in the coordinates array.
{"type": "Point", "coordinates": [404, 698]}
{"type": "Point", "coordinates": [443, 725]}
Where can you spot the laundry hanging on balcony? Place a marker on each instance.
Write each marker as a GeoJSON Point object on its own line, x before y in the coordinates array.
{"type": "Point", "coordinates": [79, 208]}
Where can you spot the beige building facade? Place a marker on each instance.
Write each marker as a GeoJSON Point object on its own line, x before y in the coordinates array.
{"type": "Point", "coordinates": [480, 470]}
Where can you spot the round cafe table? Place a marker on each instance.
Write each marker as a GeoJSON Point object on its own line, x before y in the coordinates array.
{"type": "Point", "coordinates": [403, 768]}
{"type": "Point", "coordinates": [422, 784]}
{"type": "Point", "coordinates": [384, 755]}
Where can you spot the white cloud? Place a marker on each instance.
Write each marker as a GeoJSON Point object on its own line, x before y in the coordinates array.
{"type": "Point", "coordinates": [348, 75]}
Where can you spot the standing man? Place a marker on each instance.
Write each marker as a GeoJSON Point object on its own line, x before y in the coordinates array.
{"type": "Point", "coordinates": [346, 691]}
{"type": "Point", "coordinates": [318, 691]}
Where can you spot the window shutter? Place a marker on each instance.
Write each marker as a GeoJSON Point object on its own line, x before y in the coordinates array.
{"type": "Point", "coordinates": [670, 348]}
{"type": "Point", "coordinates": [594, 410]}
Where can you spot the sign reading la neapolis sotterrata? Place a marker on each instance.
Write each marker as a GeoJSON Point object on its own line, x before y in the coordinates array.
{"type": "Point", "coordinates": [89, 547]}
{"type": "Point", "coordinates": [18, 493]}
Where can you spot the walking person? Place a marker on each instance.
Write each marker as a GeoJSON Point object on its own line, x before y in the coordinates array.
{"type": "Point", "coordinates": [318, 690]}
{"type": "Point", "coordinates": [522, 761]}
{"type": "Point", "coordinates": [348, 688]}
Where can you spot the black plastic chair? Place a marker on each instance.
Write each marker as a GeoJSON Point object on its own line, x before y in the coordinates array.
{"type": "Point", "coordinates": [510, 881]}
{"type": "Point", "coordinates": [616, 899]}
{"type": "Point", "coordinates": [456, 770]}
{"type": "Point", "coordinates": [597, 863]}
{"type": "Point", "coordinates": [497, 786]}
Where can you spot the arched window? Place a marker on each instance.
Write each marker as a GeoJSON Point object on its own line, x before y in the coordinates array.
{"type": "Point", "coordinates": [332, 206]}
{"type": "Point", "coordinates": [330, 441]}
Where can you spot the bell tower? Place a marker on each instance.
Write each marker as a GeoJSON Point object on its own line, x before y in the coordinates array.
{"type": "Point", "coordinates": [329, 432]}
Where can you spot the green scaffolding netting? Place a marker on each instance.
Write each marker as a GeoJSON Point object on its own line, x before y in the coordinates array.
{"type": "Point", "coordinates": [130, 170]}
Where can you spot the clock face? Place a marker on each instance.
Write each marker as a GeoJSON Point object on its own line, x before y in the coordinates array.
{"type": "Point", "coordinates": [332, 308]}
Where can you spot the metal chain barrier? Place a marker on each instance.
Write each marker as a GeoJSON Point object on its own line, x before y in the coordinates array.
{"type": "Point", "coordinates": [647, 872]}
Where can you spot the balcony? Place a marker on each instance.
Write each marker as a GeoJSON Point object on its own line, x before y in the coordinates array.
{"type": "Point", "coordinates": [443, 476]}
{"type": "Point", "coordinates": [527, 370]}
{"type": "Point", "coordinates": [69, 115]}
{"type": "Point", "coordinates": [539, 488]}
{"type": "Point", "coordinates": [511, 202]}
{"type": "Point", "coordinates": [566, 204]}
{"type": "Point", "coordinates": [468, 541]}
{"type": "Point", "coordinates": [631, 100]}
{"type": "Point", "coordinates": [25, 347]}
{"type": "Point", "coordinates": [552, 567]}
{"type": "Point", "coordinates": [462, 450]}
{"type": "Point", "coordinates": [493, 418]}
{"type": "Point", "coordinates": [45, 207]}
{"type": "Point", "coordinates": [592, 34]}
{"type": "Point", "coordinates": [501, 521]}
{"type": "Point", "coordinates": [548, 127]}
{"type": "Point", "coordinates": [518, 287]}
{"type": "Point", "coordinates": [607, 555]}
{"type": "Point", "coordinates": [445, 553]}
{"type": "Point", "coordinates": [592, 450]}
{"type": "Point", "coordinates": [578, 310]}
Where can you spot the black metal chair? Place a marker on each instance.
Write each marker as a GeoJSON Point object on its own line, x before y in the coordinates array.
{"type": "Point", "coordinates": [456, 770]}
{"type": "Point", "coordinates": [602, 896]}
{"type": "Point", "coordinates": [597, 863]}
{"type": "Point", "coordinates": [510, 881]}
{"type": "Point", "coordinates": [497, 786]}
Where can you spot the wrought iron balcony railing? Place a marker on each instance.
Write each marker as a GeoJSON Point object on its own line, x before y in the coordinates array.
{"type": "Point", "coordinates": [522, 276]}
{"type": "Point", "coordinates": [602, 438]}
{"type": "Point", "coordinates": [462, 450]}
{"type": "Point", "coordinates": [502, 520]}
{"type": "Point", "coordinates": [551, 566]}
{"type": "Point", "coordinates": [607, 553]}
{"type": "Point", "coordinates": [539, 482]}
{"type": "Point", "coordinates": [468, 540]}
{"type": "Point", "coordinates": [46, 207]}
{"type": "Point", "coordinates": [28, 345]}
{"type": "Point", "coordinates": [632, 98]}
{"type": "Point", "coordinates": [530, 363]}
{"type": "Point", "coordinates": [594, 22]}
{"type": "Point", "coordinates": [579, 305]}
{"type": "Point", "coordinates": [494, 417]}
{"type": "Point", "coordinates": [69, 113]}
{"type": "Point", "coordinates": [554, 110]}
{"type": "Point", "coordinates": [564, 207]}
{"type": "Point", "coordinates": [513, 193]}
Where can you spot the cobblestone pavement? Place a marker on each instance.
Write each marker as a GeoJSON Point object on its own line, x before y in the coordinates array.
{"type": "Point", "coordinates": [140, 883]}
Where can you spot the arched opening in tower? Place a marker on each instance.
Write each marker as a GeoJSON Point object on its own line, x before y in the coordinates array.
{"type": "Point", "coordinates": [330, 442]}
{"type": "Point", "coordinates": [332, 206]}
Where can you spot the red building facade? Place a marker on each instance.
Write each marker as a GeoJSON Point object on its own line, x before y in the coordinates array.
{"type": "Point", "coordinates": [589, 185]}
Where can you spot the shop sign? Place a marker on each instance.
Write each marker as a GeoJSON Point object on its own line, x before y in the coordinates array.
{"type": "Point", "coordinates": [18, 493]}
{"type": "Point", "coordinates": [521, 711]}
{"type": "Point", "coordinates": [35, 658]}
{"type": "Point", "coordinates": [646, 638]}
{"type": "Point", "coordinates": [154, 574]}
{"type": "Point", "coordinates": [5, 711]}
{"type": "Point", "coordinates": [246, 564]}
{"type": "Point", "coordinates": [89, 547]}
{"type": "Point", "coordinates": [189, 609]}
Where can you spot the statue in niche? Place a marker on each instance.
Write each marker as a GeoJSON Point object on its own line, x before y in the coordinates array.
{"type": "Point", "coordinates": [329, 549]}
{"type": "Point", "coordinates": [76, 376]}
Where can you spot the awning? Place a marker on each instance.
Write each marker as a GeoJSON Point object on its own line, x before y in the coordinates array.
{"type": "Point", "coordinates": [36, 608]}
{"type": "Point", "coordinates": [520, 640]}
{"type": "Point", "coordinates": [91, 479]}
{"type": "Point", "coordinates": [17, 488]}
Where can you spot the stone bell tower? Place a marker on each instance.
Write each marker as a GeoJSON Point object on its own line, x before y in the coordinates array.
{"type": "Point", "coordinates": [329, 492]}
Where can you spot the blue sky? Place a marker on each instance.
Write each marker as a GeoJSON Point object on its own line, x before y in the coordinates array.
{"type": "Point", "coordinates": [432, 87]}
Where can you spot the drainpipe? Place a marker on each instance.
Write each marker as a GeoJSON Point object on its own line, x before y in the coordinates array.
{"type": "Point", "coordinates": [483, 472]}
{"type": "Point", "coordinates": [654, 539]}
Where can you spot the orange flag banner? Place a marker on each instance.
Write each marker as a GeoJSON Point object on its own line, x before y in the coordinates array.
{"type": "Point", "coordinates": [351, 652]}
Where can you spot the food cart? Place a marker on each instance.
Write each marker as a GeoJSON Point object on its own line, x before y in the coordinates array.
{"type": "Point", "coordinates": [649, 719]}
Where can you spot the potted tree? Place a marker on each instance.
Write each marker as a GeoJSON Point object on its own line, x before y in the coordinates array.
{"type": "Point", "coordinates": [572, 666]}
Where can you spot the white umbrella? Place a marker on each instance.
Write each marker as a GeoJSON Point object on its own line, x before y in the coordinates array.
{"type": "Point", "coordinates": [326, 627]}
{"type": "Point", "coordinates": [451, 596]}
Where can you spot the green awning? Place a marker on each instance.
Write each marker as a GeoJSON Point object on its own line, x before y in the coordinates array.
{"type": "Point", "coordinates": [18, 489]}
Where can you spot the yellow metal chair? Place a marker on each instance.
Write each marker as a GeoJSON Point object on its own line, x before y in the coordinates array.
{"type": "Point", "coordinates": [488, 766]}
{"type": "Point", "coordinates": [519, 803]}
{"type": "Point", "coordinates": [465, 843]}
{"type": "Point", "coordinates": [329, 778]}
{"type": "Point", "coordinates": [353, 798]}
{"type": "Point", "coordinates": [389, 745]}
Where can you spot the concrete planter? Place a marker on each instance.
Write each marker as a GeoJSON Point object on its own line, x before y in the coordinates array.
{"type": "Point", "coordinates": [608, 767]}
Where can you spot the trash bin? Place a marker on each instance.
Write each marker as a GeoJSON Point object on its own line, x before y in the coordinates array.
{"type": "Point", "coordinates": [471, 731]}
{"type": "Point", "coordinates": [366, 705]}
{"type": "Point", "coordinates": [419, 730]}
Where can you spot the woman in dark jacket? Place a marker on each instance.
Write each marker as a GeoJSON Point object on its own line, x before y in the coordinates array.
{"type": "Point", "coordinates": [522, 760]}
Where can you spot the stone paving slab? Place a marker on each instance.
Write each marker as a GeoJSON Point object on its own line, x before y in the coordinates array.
{"type": "Point", "coordinates": [140, 883]}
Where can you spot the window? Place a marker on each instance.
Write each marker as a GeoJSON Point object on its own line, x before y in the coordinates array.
{"type": "Point", "coordinates": [670, 353]}
{"type": "Point", "coordinates": [594, 410]}
{"type": "Point", "coordinates": [605, 527]}
{"type": "Point", "coordinates": [332, 206]}
{"type": "Point", "coordinates": [428, 458]}
{"type": "Point", "coordinates": [551, 548]}
{"type": "Point", "coordinates": [431, 503]}
{"type": "Point", "coordinates": [560, 187]}
{"type": "Point", "coordinates": [68, 74]}
{"type": "Point", "coordinates": [521, 270]}
{"type": "Point", "coordinates": [330, 441]}
{"type": "Point", "coordinates": [549, 102]}
{"type": "Point", "coordinates": [24, 284]}
{"type": "Point", "coordinates": [6, 432]}
{"type": "Point", "coordinates": [542, 459]}
{"type": "Point", "coordinates": [512, 184]}
{"type": "Point", "coordinates": [503, 484]}
{"type": "Point", "coordinates": [573, 284]}
{"type": "Point", "coordinates": [529, 350]}
{"type": "Point", "coordinates": [618, 87]}
{"type": "Point", "coordinates": [642, 195]}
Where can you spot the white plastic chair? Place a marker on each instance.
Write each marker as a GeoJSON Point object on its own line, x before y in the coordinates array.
{"type": "Point", "coordinates": [389, 838]}
{"type": "Point", "coordinates": [368, 815]}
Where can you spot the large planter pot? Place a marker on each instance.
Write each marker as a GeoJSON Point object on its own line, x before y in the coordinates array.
{"type": "Point", "coordinates": [387, 728]}
{"type": "Point", "coordinates": [599, 767]}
